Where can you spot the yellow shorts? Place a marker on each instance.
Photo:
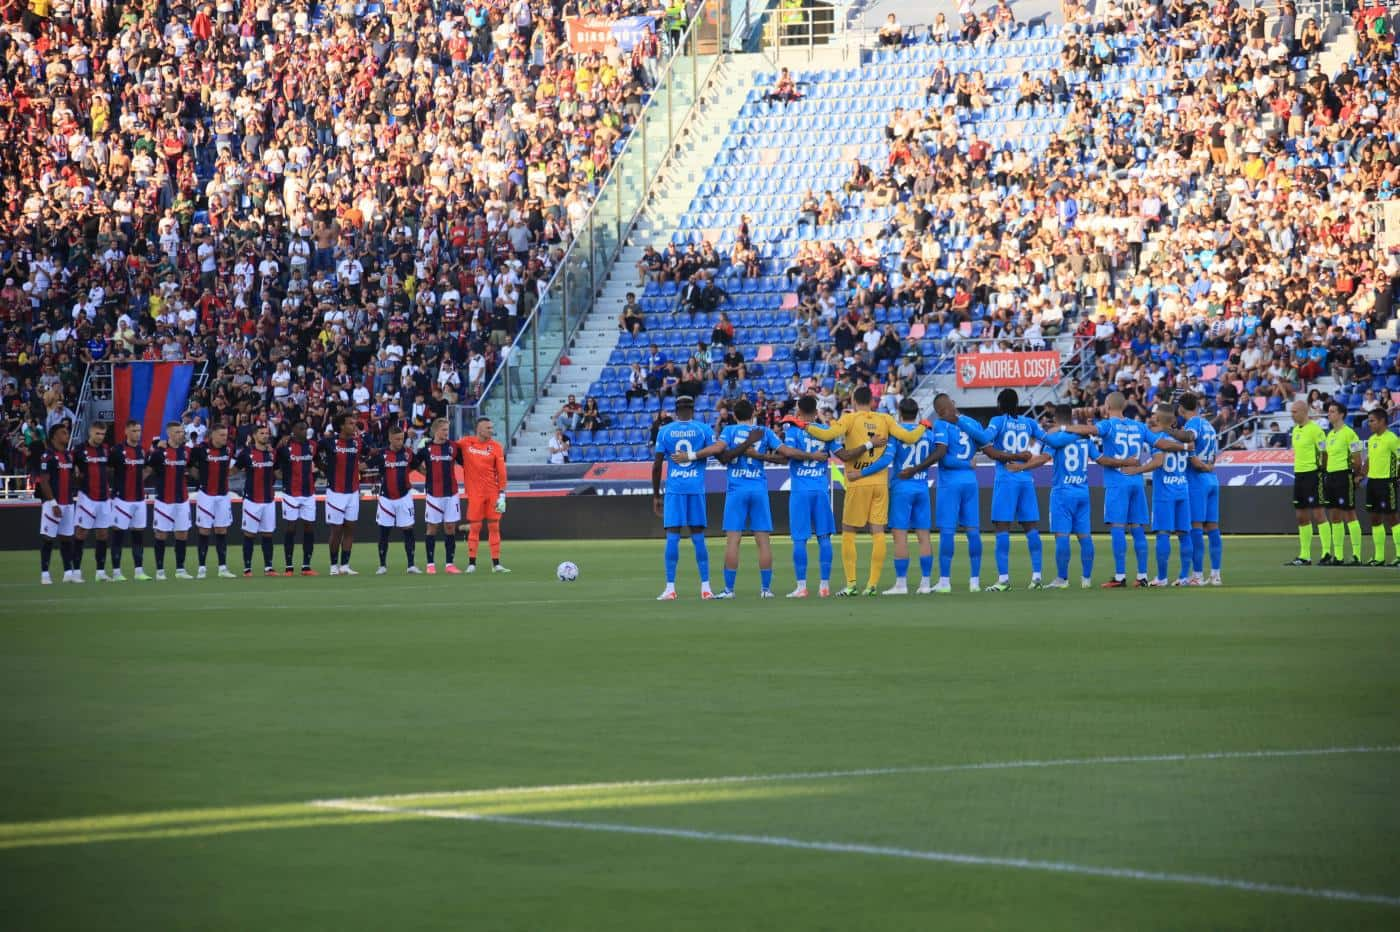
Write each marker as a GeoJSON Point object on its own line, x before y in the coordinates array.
{"type": "Point", "coordinates": [866, 504]}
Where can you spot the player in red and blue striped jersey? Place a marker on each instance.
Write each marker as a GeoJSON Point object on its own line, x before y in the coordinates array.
{"type": "Point", "coordinates": [395, 505]}
{"type": "Point", "coordinates": [340, 461]}
{"type": "Point", "coordinates": [169, 463]}
{"type": "Point", "coordinates": [296, 460]}
{"type": "Point", "coordinates": [57, 488]}
{"type": "Point", "coordinates": [442, 503]}
{"type": "Point", "coordinates": [211, 462]}
{"type": "Point", "coordinates": [93, 472]}
{"type": "Point", "coordinates": [258, 463]}
{"type": "Point", "coordinates": [129, 511]}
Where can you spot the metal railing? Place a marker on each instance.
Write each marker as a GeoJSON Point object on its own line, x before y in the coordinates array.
{"type": "Point", "coordinates": [543, 339]}
{"type": "Point", "coordinates": [15, 488]}
{"type": "Point", "coordinates": [790, 33]}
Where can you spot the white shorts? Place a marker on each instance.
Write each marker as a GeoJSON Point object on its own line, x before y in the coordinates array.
{"type": "Point", "coordinates": [342, 507]}
{"type": "Point", "coordinates": [128, 516]}
{"type": "Point", "coordinates": [445, 510]}
{"type": "Point", "coordinates": [259, 517]}
{"type": "Point", "coordinates": [52, 527]}
{"type": "Point", "coordinates": [212, 511]}
{"type": "Point", "coordinates": [93, 515]}
{"type": "Point", "coordinates": [170, 516]}
{"type": "Point", "coordinates": [299, 508]}
{"type": "Point", "coordinates": [394, 512]}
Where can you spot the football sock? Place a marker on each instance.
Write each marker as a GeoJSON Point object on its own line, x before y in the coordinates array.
{"type": "Point", "coordinates": [65, 551]}
{"type": "Point", "coordinates": [383, 546]}
{"type": "Point", "coordinates": [824, 556]}
{"type": "Point", "coordinates": [450, 546]}
{"type": "Point", "coordinates": [289, 546]}
{"type": "Point", "coordinates": [946, 543]}
{"type": "Point", "coordinates": [730, 576]}
{"type": "Point", "coordinates": [182, 548]}
{"type": "Point", "coordinates": [138, 550]}
{"type": "Point", "coordinates": [431, 544]}
{"type": "Point", "coordinates": [1140, 548]}
{"type": "Point", "coordinates": [1339, 540]}
{"type": "Point", "coordinates": [848, 556]}
{"type": "Point", "coordinates": [117, 539]}
{"type": "Point", "coordinates": [1198, 550]}
{"type": "Point", "coordinates": [925, 565]}
{"type": "Point", "coordinates": [408, 544]}
{"type": "Point", "coordinates": [1353, 531]}
{"type": "Point", "coordinates": [877, 558]}
{"type": "Point", "coordinates": [308, 544]}
{"type": "Point", "coordinates": [673, 555]}
{"type": "Point", "coordinates": [1324, 534]}
{"type": "Point", "coordinates": [765, 578]}
{"type": "Point", "coordinates": [345, 555]}
{"type": "Point", "coordinates": [1086, 556]}
{"type": "Point", "coordinates": [77, 553]}
{"type": "Point", "coordinates": [1164, 553]}
{"type": "Point", "coordinates": [335, 556]}
{"type": "Point", "coordinates": [1217, 548]}
{"type": "Point", "coordinates": [247, 552]}
{"type": "Point", "coordinates": [1186, 552]}
{"type": "Point", "coordinates": [1305, 542]}
{"type": "Point", "coordinates": [974, 552]}
{"type": "Point", "coordinates": [493, 540]}
{"type": "Point", "coordinates": [1120, 550]}
{"type": "Point", "coordinates": [160, 553]}
{"type": "Point", "coordinates": [102, 551]}
{"type": "Point", "coordinates": [1061, 556]}
{"type": "Point", "coordinates": [221, 549]}
{"type": "Point", "coordinates": [1037, 551]}
{"type": "Point", "coordinates": [1378, 540]}
{"type": "Point", "coordinates": [901, 569]}
{"type": "Point", "coordinates": [1395, 535]}
{"type": "Point", "coordinates": [46, 553]}
{"type": "Point", "coordinates": [267, 552]}
{"type": "Point", "coordinates": [799, 560]}
{"type": "Point", "coordinates": [202, 548]}
{"type": "Point", "coordinates": [473, 539]}
{"type": "Point", "coordinates": [1003, 553]}
{"type": "Point", "coordinates": [702, 557]}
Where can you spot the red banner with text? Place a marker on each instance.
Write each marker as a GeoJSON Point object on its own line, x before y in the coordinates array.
{"type": "Point", "coordinates": [995, 370]}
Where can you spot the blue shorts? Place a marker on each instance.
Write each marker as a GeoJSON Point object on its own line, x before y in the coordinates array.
{"type": "Point", "coordinates": [909, 507]}
{"type": "Point", "coordinates": [1069, 511]}
{"type": "Point", "coordinates": [1171, 514]}
{"type": "Point", "coordinates": [809, 513]}
{"type": "Point", "coordinates": [747, 510]}
{"type": "Point", "coordinates": [683, 509]}
{"type": "Point", "coordinates": [1204, 492]}
{"type": "Point", "coordinates": [1125, 504]}
{"type": "Point", "coordinates": [956, 504]}
{"type": "Point", "coordinates": [1013, 500]}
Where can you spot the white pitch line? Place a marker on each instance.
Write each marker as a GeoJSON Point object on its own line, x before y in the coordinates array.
{"type": "Point", "coordinates": [944, 857]}
{"type": "Point", "coordinates": [885, 771]}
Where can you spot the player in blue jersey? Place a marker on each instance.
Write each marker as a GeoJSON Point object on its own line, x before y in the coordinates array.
{"type": "Point", "coordinates": [1203, 488]}
{"type": "Point", "coordinates": [809, 497]}
{"type": "Point", "coordinates": [1013, 490]}
{"type": "Point", "coordinates": [746, 506]}
{"type": "Point", "coordinates": [1069, 495]}
{"type": "Point", "coordinates": [683, 443]}
{"type": "Point", "coordinates": [956, 442]}
{"type": "Point", "coordinates": [1171, 503]}
{"type": "Point", "coordinates": [909, 500]}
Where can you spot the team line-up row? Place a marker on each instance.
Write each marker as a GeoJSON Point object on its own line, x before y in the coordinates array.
{"type": "Point", "coordinates": [99, 490]}
{"type": "Point", "coordinates": [888, 464]}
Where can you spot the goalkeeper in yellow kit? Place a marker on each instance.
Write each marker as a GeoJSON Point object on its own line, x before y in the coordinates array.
{"type": "Point", "coordinates": [867, 505]}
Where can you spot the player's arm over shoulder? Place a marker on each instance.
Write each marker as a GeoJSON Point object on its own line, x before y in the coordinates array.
{"type": "Point", "coordinates": [901, 433]}
{"type": "Point", "coordinates": [834, 431]}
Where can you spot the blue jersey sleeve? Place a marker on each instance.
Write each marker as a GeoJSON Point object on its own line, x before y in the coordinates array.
{"type": "Point", "coordinates": [771, 441]}
{"type": "Point", "coordinates": [1037, 432]}
{"type": "Point", "coordinates": [663, 436]}
{"type": "Point", "coordinates": [974, 430]}
{"type": "Point", "coordinates": [1058, 440]}
{"type": "Point", "coordinates": [882, 463]}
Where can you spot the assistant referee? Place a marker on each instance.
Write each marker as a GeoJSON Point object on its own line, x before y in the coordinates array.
{"type": "Point", "coordinates": [1309, 451]}
{"type": "Point", "coordinates": [1383, 486]}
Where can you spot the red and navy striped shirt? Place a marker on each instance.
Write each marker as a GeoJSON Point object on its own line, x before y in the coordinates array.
{"type": "Point", "coordinates": [343, 465]}
{"type": "Point", "coordinates": [90, 461]}
{"type": "Point", "coordinates": [259, 472]}
{"type": "Point", "coordinates": [129, 472]}
{"type": "Point", "coordinates": [212, 464]}
{"type": "Point", "coordinates": [436, 460]}
{"type": "Point", "coordinates": [297, 461]}
{"type": "Point", "coordinates": [393, 470]}
{"type": "Point", "coordinates": [169, 465]}
{"type": "Point", "coordinates": [57, 467]}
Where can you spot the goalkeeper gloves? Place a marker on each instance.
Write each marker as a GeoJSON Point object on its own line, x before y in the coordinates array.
{"type": "Point", "coordinates": [501, 504]}
{"type": "Point", "coordinates": [795, 422]}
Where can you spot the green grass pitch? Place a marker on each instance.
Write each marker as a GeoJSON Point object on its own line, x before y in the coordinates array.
{"type": "Point", "coordinates": [1185, 759]}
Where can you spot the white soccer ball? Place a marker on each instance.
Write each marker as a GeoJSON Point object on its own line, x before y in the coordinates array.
{"type": "Point", "coordinates": [567, 572]}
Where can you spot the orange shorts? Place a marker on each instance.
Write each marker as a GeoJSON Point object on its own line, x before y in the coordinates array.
{"type": "Point", "coordinates": [481, 508]}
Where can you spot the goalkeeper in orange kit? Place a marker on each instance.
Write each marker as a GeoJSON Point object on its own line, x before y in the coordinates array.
{"type": "Point", "coordinates": [484, 469]}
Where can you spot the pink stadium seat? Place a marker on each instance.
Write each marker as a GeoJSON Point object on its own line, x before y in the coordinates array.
{"type": "Point", "coordinates": [1210, 373]}
{"type": "Point", "coordinates": [917, 331]}
{"type": "Point", "coordinates": [765, 353]}
{"type": "Point", "coordinates": [1260, 403]}
{"type": "Point", "coordinates": [790, 301]}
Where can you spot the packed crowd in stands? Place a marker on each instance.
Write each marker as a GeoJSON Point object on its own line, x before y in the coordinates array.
{"type": "Point", "coordinates": [335, 205]}
{"type": "Point", "coordinates": [1209, 233]}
